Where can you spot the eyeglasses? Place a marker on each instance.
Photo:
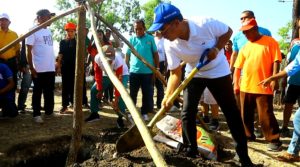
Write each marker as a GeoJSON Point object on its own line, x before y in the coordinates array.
{"type": "Point", "coordinates": [164, 29]}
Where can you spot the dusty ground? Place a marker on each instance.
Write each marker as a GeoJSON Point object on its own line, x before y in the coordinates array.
{"type": "Point", "coordinates": [25, 143]}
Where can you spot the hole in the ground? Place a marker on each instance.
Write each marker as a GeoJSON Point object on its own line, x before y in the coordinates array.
{"type": "Point", "coordinates": [53, 152]}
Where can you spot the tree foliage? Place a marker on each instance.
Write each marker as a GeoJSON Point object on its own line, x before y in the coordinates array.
{"type": "Point", "coordinates": [285, 34]}
{"type": "Point", "coordinates": [148, 9]}
{"type": "Point", "coordinates": [120, 13]}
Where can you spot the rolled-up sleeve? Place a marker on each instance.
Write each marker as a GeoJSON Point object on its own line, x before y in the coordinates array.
{"type": "Point", "coordinates": [294, 66]}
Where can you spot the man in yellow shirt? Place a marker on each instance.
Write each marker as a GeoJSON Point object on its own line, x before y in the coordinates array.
{"type": "Point", "coordinates": [7, 36]}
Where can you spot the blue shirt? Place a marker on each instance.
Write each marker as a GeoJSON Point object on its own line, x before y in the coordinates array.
{"type": "Point", "coordinates": [239, 40]}
{"type": "Point", "coordinates": [293, 69]}
{"type": "Point", "coordinates": [5, 74]}
{"type": "Point", "coordinates": [146, 47]}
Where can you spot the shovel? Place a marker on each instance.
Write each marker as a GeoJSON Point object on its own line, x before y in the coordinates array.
{"type": "Point", "coordinates": [132, 139]}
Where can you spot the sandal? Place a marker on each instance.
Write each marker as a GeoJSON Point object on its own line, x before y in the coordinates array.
{"type": "Point", "coordinates": [286, 157]}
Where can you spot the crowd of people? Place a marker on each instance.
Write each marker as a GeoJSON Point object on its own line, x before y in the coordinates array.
{"type": "Point", "coordinates": [244, 70]}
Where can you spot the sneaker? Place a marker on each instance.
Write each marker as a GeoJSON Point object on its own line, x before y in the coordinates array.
{"type": "Point", "coordinates": [86, 106]}
{"type": "Point", "coordinates": [245, 161]}
{"type": "Point", "coordinates": [38, 119]}
{"type": "Point", "coordinates": [276, 146]}
{"type": "Point", "coordinates": [131, 119]}
{"type": "Point", "coordinates": [49, 116]}
{"type": "Point", "coordinates": [120, 123]}
{"type": "Point", "coordinates": [22, 111]}
{"type": "Point", "coordinates": [285, 132]}
{"type": "Point", "coordinates": [145, 117]}
{"type": "Point", "coordinates": [174, 109]}
{"type": "Point", "coordinates": [93, 117]}
{"type": "Point", "coordinates": [206, 119]}
{"type": "Point", "coordinates": [63, 110]}
{"type": "Point", "coordinates": [192, 153]}
{"type": "Point", "coordinates": [214, 125]}
{"type": "Point", "coordinates": [258, 133]}
{"type": "Point", "coordinates": [286, 157]}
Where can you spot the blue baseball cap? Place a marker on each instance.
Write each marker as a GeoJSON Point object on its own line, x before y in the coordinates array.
{"type": "Point", "coordinates": [164, 13]}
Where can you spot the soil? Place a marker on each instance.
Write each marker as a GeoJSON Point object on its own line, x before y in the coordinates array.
{"type": "Point", "coordinates": [26, 143]}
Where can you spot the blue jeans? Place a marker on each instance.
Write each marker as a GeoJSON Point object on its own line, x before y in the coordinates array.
{"type": "Point", "coordinates": [25, 85]}
{"type": "Point", "coordinates": [294, 146]}
{"type": "Point", "coordinates": [145, 82]}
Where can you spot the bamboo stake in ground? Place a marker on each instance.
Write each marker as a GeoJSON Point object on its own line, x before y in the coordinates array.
{"type": "Point", "coordinates": [156, 156]}
{"type": "Point", "coordinates": [36, 29]}
{"type": "Point", "coordinates": [78, 89]}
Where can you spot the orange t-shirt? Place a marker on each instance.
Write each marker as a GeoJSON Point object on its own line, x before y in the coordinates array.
{"type": "Point", "coordinates": [256, 60]}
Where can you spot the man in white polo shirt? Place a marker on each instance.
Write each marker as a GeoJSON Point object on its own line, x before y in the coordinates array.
{"type": "Point", "coordinates": [41, 60]}
{"type": "Point", "coordinates": [186, 40]}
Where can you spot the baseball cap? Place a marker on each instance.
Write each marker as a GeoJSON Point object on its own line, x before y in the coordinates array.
{"type": "Point", "coordinates": [164, 13]}
{"type": "Point", "coordinates": [248, 24]}
{"type": "Point", "coordinates": [70, 26]}
{"type": "Point", "coordinates": [5, 16]}
{"type": "Point", "coordinates": [109, 52]}
{"type": "Point", "coordinates": [44, 12]}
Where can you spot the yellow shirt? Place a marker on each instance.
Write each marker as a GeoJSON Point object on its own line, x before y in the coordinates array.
{"type": "Point", "coordinates": [256, 60]}
{"type": "Point", "coordinates": [5, 39]}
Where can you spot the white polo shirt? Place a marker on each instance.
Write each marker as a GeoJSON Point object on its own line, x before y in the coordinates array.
{"type": "Point", "coordinates": [204, 33]}
{"type": "Point", "coordinates": [43, 56]}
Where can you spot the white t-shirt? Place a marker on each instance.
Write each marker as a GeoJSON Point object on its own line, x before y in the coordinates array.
{"type": "Point", "coordinates": [160, 48]}
{"type": "Point", "coordinates": [117, 62]}
{"type": "Point", "coordinates": [43, 57]}
{"type": "Point", "coordinates": [204, 33]}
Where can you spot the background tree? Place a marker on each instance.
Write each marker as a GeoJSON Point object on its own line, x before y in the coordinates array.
{"type": "Point", "coordinates": [285, 34]}
{"type": "Point", "coordinates": [296, 21]}
{"type": "Point", "coordinates": [120, 13]}
{"type": "Point", "coordinates": [148, 9]}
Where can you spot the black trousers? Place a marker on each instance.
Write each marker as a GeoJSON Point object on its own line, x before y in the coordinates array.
{"type": "Point", "coordinates": [221, 89]}
{"type": "Point", "coordinates": [43, 84]}
{"type": "Point", "coordinates": [68, 83]}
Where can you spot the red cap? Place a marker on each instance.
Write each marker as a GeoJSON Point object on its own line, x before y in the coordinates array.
{"type": "Point", "coordinates": [248, 24]}
{"type": "Point", "coordinates": [70, 26]}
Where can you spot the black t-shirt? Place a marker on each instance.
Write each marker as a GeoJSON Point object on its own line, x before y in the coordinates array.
{"type": "Point", "coordinates": [68, 50]}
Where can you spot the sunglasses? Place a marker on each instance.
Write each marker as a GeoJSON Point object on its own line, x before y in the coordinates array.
{"type": "Point", "coordinates": [245, 17]}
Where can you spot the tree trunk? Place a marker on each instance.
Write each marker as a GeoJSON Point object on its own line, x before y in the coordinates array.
{"type": "Point", "coordinates": [296, 20]}
{"type": "Point", "coordinates": [78, 89]}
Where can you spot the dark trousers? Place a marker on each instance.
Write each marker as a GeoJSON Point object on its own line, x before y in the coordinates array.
{"type": "Point", "coordinates": [145, 82]}
{"type": "Point", "coordinates": [44, 83]}
{"type": "Point", "coordinates": [221, 89]}
{"type": "Point", "coordinates": [68, 82]}
{"type": "Point", "coordinates": [267, 120]}
{"type": "Point", "coordinates": [159, 86]}
{"type": "Point", "coordinates": [8, 105]}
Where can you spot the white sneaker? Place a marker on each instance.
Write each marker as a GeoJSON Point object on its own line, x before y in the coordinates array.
{"type": "Point", "coordinates": [38, 119]}
{"type": "Point", "coordinates": [130, 119]}
{"type": "Point", "coordinates": [145, 117]}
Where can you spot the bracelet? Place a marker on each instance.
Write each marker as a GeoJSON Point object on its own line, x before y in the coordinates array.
{"type": "Point", "coordinates": [218, 50]}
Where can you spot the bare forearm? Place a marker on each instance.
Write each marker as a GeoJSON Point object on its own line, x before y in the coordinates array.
{"type": "Point", "coordinates": [223, 39]}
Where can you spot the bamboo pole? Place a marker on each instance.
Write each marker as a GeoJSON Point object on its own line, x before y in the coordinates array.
{"type": "Point", "coordinates": [157, 157]}
{"type": "Point", "coordinates": [2, 50]}
{"type": "Point", "coordinates": [78, 89]}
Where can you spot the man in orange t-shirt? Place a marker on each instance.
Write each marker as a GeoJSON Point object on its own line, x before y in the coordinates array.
{"type": "Point", "coordinates": [259, 59]}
